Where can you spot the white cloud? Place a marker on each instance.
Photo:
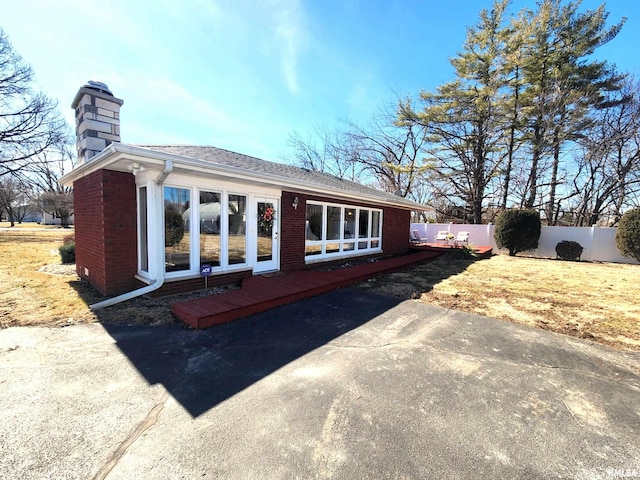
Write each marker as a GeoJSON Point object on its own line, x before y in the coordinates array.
{"type": "Point", "coordinates": [289, 31]}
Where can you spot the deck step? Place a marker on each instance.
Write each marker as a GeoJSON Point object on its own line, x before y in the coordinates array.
{"type": "Point", "coordinates": [260, 293]}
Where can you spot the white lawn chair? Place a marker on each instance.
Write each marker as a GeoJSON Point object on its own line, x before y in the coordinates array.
{"type": "Point", "coordinates": [415, 237]}
{"type": "Point", "coordinates": [461, 239]}
{"type": "Point", "coordinates": [443, 236]}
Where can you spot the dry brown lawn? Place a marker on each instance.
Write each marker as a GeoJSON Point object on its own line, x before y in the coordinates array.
{"type": "Point", "coordinates": [600, 301]}
{"type": "Point", "coordinates": [36, 289]}
{"type": "Point", "coordinates": [29, 296]}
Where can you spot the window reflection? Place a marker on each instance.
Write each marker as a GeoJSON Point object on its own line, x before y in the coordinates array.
{"type": "Point", "coordinates": [349, 223]}
{"type": "Point", "coordinates": [333, 223]}
{"type": "Point", "coordinates": [333, 229]}
{"type": "Point", "coordinates": [177, 239]}
{"type": "Point", "coordinates": [143, 235]}
{"type": "Point", "coordinates": [210, 228]}
{"type": "Point", "coordinates": [237, 248]}
{"type": "Point", "coordinates": [314, 222]}
{"type": "Point", "coordinates": [375, 224]}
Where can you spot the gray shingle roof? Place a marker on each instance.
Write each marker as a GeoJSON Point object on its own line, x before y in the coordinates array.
{"type": "Point", "coordinates": [257, 166]}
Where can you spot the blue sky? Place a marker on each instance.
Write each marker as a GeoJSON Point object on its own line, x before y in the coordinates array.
{"type": "Point", "coordinates": [242, 74]}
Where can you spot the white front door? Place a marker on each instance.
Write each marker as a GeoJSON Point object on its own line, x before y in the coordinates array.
{"type": "Point", "coordinates": [267, 249]}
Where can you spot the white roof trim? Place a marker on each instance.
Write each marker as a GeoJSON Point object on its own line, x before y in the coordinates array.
{"type": "Point", "coordinates": [119, 151]}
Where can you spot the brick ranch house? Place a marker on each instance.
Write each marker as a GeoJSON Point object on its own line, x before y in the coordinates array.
{"type": "Point", "coordinates": [150, 218]}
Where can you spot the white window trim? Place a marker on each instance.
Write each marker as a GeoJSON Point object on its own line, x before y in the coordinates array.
{"type": "Point", "coordinates": [342, 253]}
{"type": "Point", "coordinates": [194, 243]}
{"type": "Point", "coordinates": [194, 219]}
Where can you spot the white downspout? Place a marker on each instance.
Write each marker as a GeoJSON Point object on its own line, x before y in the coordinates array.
{"type": "Point", "coordinates": [168, 168]}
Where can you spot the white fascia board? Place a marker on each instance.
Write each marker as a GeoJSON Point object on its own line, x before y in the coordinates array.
{"type": "Point", "coordinates": [89, 166]}
{"type": "Point", "coordinates": [151, 158]}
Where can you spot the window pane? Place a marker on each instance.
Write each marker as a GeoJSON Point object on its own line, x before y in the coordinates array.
{"type": "Point", "coordinates": [333, 223]}
{"type": "Point", "coordinates": [349, 223]}
{"type": "Point", "coordinates": [341, 229]}
{"type": "Point", "coordinates": [210, 228]}
{"type": "Point", "coordinates": [237, 227]}
{"type": "Point", "coordinates": [333, 247]}
{"type": "Point", "coordinates": [142, 234]}
{"type": "Point", "coordinates": [363, 224]}
{"type": "Point", "coordinates": [314, 222]}
{"type": "Point", "coordinates": [313, 250]}
{"type": "Point", "coordinates": [264, 221]}
{"type": "Point", "coordinates": [375, 224]}
{"type": "Point", "coordinates": [177, 240]}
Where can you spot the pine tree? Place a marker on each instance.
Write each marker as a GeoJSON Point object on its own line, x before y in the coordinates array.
{"type": "Point", "coordinates": [463, 116]}
{"type": "Point", "coordinates": [562, 85]}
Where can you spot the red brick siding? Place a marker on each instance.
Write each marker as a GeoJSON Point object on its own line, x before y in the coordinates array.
{"type": "Point", "coordinates": [395, 228]}
{"type": "Point", "coordinates": [396, 224]}
{"type": "Point", "coordinates": [292, 232]}
{"type": "Point", "coordinates": [195, 284]}
{"type": "Point", "coordinates": [106, 230]}
{"type": "Point", "coordinates": [106, 233]}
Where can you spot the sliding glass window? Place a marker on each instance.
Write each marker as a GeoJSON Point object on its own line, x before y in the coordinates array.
{"type": "Point", "coordinates": [341, 230]}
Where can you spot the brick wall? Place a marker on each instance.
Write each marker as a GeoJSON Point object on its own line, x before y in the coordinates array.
{"type": "Point", "coordinates": [105, 230]}
{"type": "Point", "coordinates": [196, 284]}
{"type": "Point", "coordinates": [396, 224]}
{"type": "Point", "coordinates": [292, 232]}
{"type": "Point", "coordinates": [395, 228]}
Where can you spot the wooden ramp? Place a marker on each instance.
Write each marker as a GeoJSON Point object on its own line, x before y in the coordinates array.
{"type": "Point", "coordinates": [263, 292]}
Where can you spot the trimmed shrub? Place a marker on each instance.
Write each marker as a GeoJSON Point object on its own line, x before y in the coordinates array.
{"type": "Point", "coordinates": [518, 230]}
{"type": "Point", "coordinates": [569, 250]}
{"type": "Point", "coordinates": [628, 234]}
{"type": "Point", "coordinates": [463, 252]}
{"type": "Point", "coordinates": [68, 252]}
{"type": "Point", "coordinates": [173, 228]}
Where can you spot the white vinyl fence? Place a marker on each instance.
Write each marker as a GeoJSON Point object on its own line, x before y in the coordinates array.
{"type": "Point", "coordinates": [599, 243]}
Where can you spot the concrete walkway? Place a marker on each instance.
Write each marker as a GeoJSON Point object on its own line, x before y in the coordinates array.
{"type": "Point", "coordinates": [345, 385]}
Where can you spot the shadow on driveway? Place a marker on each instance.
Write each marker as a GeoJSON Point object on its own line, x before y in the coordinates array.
{"type": "Point", "coordinates": [204, 368]}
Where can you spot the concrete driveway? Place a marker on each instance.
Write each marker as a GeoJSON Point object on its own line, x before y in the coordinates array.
{"type": "Point", "coordinates": [348, 385]}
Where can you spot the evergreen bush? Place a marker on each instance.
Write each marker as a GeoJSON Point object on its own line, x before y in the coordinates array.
{"type": "Point", "coordinates": [517, 230]}
{"type": "Point", "coordinates": [628, 234]}
{"type": "Point", "coordinates": [569, 250]}
{"type": "Point", "coordinates": [68, 252]}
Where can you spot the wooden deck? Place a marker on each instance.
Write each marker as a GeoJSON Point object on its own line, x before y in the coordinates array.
{"type": "Point", "coordinates": [263, 292]}
{"type": "Point", "coordinates": [481, 251]}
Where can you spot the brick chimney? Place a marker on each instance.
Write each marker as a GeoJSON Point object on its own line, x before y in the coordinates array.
{"type": "Point", "coordinates": [97, 119]}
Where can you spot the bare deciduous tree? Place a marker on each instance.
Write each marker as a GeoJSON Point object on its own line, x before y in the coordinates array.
{"type": "Point", "coordinates": [384, 152]}
{"type": "Point", "coordinates": [14, 199]}
{"type": "Point", "coordinates": [608, 169]}
{"type": "Point", "coordinates": [30, 122]}
{"type": "Point", "coordinates": [325, 150]}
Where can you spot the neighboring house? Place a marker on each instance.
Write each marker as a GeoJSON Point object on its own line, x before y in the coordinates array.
{"type": "Point", "coordinates": [154, 215]}
{"type": "Point", "coordinates": [49, 219]}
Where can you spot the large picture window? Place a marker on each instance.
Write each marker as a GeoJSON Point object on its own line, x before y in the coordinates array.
{"type": "Point", "coordinates": [237, 229]}
{"type": "Point", "coordinates": [201, 227]}
{"type": "Point", "coordinates": [177, 239]}
{"type": "Point", "coordinates": [210, 211]}
{"type": "Point", "coordinates": [341, 230]}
